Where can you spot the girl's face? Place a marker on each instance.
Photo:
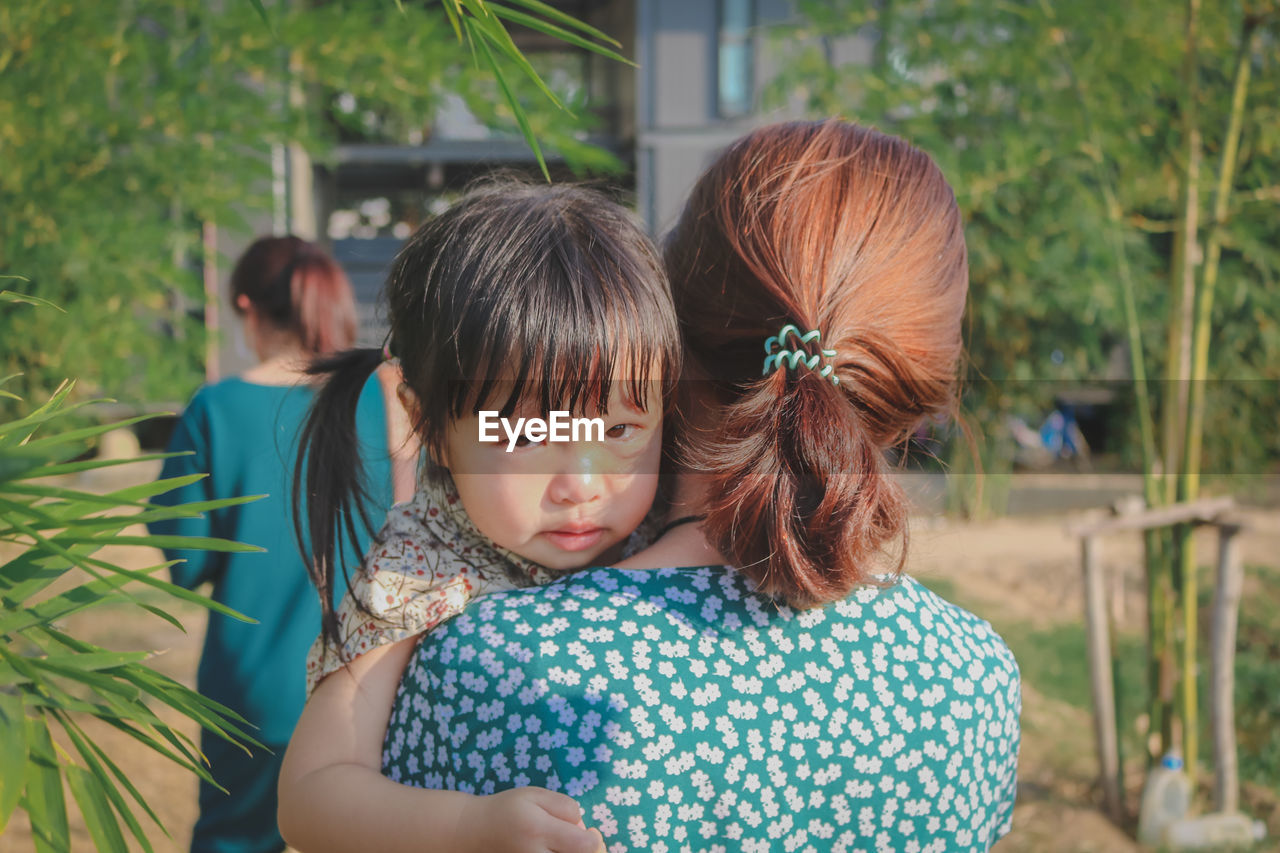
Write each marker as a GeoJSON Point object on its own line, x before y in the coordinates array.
{"type": "Point", "coordinates": [564, 505]}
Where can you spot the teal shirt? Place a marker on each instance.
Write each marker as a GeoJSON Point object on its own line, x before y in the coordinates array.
{"type": "Point", "coordinates": [245, 436]}
{"type": "Point", "coordinates": [685, 713]}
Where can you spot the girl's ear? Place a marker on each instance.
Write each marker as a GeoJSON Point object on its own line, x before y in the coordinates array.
{"type": "Point", "coordinates": [413, 408]}
{"type": "Point", "coordinates": [409, 400]}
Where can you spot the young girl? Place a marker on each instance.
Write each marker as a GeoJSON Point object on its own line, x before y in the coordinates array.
{"type": "Point", "coordinates": [519, 300]}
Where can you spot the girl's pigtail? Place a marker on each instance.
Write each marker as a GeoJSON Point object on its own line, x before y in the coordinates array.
{"type": "Point", "coordinates": [330, 495]}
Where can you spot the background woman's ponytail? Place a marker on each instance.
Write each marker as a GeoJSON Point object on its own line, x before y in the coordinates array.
{"type": "Point", "coordinates": [297, 288]}
{"type": "Point", "coordinates": [838, 228]}
{"type": "Point", "coordinates": [329, 489]}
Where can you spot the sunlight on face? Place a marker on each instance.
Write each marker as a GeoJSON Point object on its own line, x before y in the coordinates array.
{"type": "Point", "coordinates": [564, 505]}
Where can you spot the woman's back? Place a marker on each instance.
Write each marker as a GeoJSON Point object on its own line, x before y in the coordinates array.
{"type": "Point", "coordinates": [684, 712]}
{"type": "Point", "coordinates": [244, 435]}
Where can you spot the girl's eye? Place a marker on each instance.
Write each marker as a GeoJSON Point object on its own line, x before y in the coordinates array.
{"type": "Point", "coordinates": [523, 441]}
{"type": "Point", "coordinates": [621, 431]}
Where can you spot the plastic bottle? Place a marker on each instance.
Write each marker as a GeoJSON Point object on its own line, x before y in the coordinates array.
{"type": "Point", "coordinates": [1213, 831]}
{"type": "Point", "coordinates": [1165, 798]}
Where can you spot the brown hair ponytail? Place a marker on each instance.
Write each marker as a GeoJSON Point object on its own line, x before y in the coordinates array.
{"type": "Point", "coordinates": [834, 227]}
{"type": "Point", "coordinates": [296, 287]}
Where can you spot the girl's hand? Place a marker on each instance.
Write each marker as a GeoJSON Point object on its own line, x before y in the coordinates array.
{"type": "Point", "coordinates": [527, 820]}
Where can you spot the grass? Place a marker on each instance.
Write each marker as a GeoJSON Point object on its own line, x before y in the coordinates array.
{"type": "Point", "coordinates": [1054, 660]}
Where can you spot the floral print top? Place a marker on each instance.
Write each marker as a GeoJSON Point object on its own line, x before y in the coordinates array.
{"type": "Point", "coordinates": [684, 712]}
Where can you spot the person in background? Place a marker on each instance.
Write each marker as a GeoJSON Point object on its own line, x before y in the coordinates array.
{"type": "Point", "coordinates": [296, 304]}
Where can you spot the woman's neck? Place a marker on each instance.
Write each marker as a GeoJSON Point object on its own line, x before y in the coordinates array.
{"type": "Point", "coordinates": [281, 360]}
{"type": "Point", "coordinates": [285, 369]}
{"type": "Point", "coordinates": [683, 544]}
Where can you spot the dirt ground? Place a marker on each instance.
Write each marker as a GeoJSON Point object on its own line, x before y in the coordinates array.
{"type": "Point", "coordinates": [1024, 569]}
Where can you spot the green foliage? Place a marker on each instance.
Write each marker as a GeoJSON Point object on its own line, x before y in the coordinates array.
{"type": "Point", "coordinates": [1041, 114]}
{"type": "Point", "coordinates": [50, 681]}
{"type": "Point", "coordinates": [125, 126]}
{"type": "Point", "coordinates": [1053, 659]}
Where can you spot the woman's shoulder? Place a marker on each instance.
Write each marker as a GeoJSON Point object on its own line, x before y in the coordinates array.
{"type": "Point", "coordinates": [236, 390]}
{"type": "Point", "coordinates": [904, 616]}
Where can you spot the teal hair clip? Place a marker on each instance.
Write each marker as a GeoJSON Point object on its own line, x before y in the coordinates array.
{"type": "Point", "coordinates": [775, 357]}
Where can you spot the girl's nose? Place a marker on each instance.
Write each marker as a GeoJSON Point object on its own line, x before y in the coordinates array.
{"type": "Point", "coordinates": [578, 481]}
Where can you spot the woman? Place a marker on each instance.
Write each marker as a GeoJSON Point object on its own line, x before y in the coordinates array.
{"type": "Point", "coordinates": [242, 432]}
{"type": "Point", "coordinates": [761, 677]}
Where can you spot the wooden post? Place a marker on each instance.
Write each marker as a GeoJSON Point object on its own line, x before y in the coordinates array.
{"type": "Point", "coordinates": [1104, 705]}
{"type": "Point", "coordinates": [1226, 610]}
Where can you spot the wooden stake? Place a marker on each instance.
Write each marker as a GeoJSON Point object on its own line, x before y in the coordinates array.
{"type": "Point", "coordinates": [1226, 610]}
{"type": "Point", "coordinates": [1104, 705]}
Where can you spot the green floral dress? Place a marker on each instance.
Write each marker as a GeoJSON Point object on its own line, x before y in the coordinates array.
{"type": "Point", "coordinates": [684, 712]}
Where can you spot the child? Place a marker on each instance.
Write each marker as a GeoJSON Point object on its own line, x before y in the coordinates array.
{"type": "Point", "coordinates": [520, 300]}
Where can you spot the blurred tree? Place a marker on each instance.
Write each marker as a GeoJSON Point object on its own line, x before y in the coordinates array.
{"type": "Point", "coordinates": [125, 126]}
{"type": "Point", "coordinates": [1118, 166]}
{"type": "Point", "coordinates": [1060, 127]}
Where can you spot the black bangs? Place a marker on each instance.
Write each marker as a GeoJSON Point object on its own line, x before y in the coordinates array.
{"type": "Point", "coordinates": [532, 297]}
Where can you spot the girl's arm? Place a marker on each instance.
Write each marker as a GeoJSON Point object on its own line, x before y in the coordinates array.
{"type": "Point", "coordinates": [333, 796]}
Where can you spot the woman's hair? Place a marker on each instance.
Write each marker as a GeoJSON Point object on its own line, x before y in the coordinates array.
{"type": "Point", "coordinates": [839, 228]}
{"type": "Point", "coordinates": [298, 288]}
{"type": "Point", "coordinates": [517, 292]}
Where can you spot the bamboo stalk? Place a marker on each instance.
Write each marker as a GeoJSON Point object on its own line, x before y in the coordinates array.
{"type": "Point", "coordinates": [1209, 274]}
{"type": "Point", "coordinates": [1189, 481]}
{"type": "Point", "coordinates": [1182, 279]}
{"type": "Point", "coordinates": [1159, 593]}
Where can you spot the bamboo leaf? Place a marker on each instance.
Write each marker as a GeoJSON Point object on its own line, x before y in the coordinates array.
{"type": "Point", "coordinates": [74, 519]}
{"type": "Point", "coordinates": [82, 745]}
{"type": "Point", "coordinates": [42, 798]}
{"type": "Point", "coordinates": [262, 11]}
{"type": "Point", "coordinates": [94, 808]}
{"type": "Point", "coordinates": [13, 753]}
{"type": "Point", "coordinates": [95, 661]}
{"type": "Point", "coordinates": [214, 716]}
{"type": "Point", "coordinates": [165, 616]}
{"type": "Point", "coordinates": [558, 32]}
{"type": "Point", "coordinates": [492, 30]}
{"type": "Point", "coordinates": [52, 409]}
{"type": "Point", "coordinates": [176, 591]}
{"type": "Point", "coordinates": [79, 435]}
{"type": "Point", "coordinates": [186, 760]}
{"type": "Point", "coordinates": [25, 575]}
{"type": "Point", "coordinates": [564, 19]}
{"type": "Point", "coordinates": [10, 296]}
{"type": "Point", "coordinates": [100, 682]}
{"type": "Point", "coordinates": [452, 13]}
{"type": "Point", "coordinates": [201, 543]}
{"type": "Point", "coordinates": [87, 465]}
{"type": "Point", "coordinates": [133, 496]}
{"type": "Point", "coordinates": [515, 106]}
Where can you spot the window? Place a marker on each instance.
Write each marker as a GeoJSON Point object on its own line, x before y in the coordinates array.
{"type": "Point", "coordinates": [735, 79]}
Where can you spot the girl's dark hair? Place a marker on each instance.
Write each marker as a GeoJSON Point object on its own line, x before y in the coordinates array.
{"type": "Point", "coordinates": [839, 228]}
{"type": "Point", "coordinates": [297, 287]}
{"type": "Point", "coordinates": [518, 291]}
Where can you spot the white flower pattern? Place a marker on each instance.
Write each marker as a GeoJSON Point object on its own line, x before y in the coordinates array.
{"type": "Point", "coordinates": [696, 715]}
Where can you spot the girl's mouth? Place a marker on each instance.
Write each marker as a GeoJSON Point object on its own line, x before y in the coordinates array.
{"type": "Point", "coordinates": [575, 538]}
